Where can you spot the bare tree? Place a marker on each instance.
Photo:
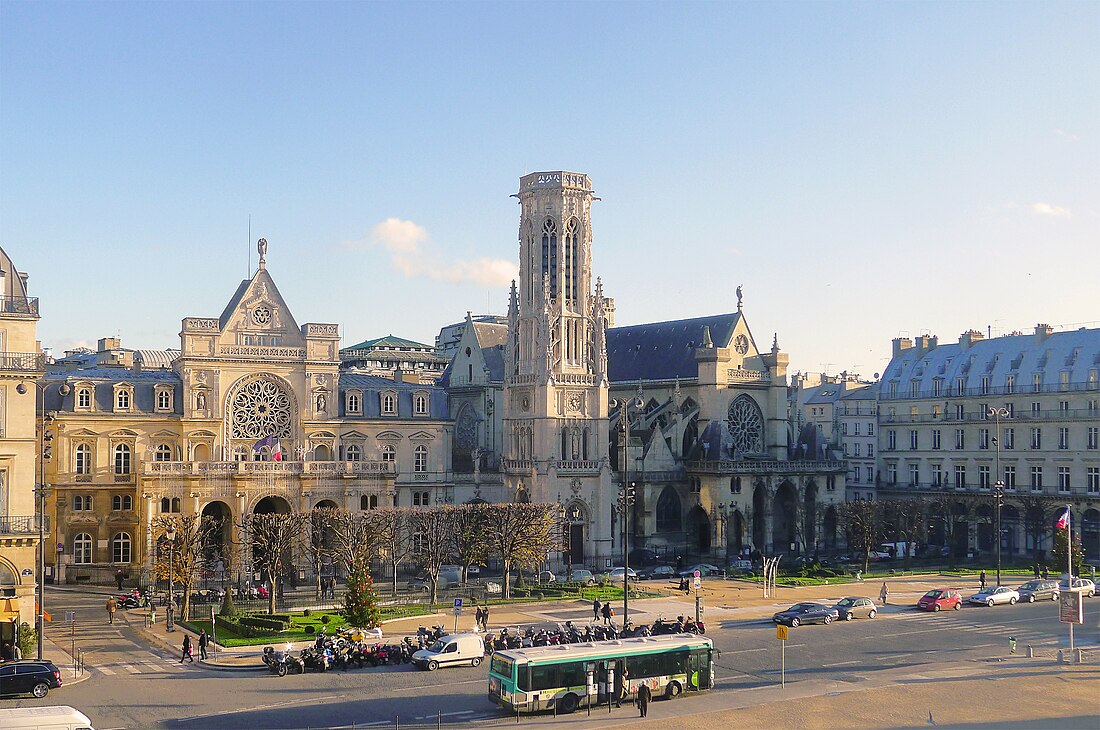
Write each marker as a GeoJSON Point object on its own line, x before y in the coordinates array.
{"type": "Point", "coordinates": [862, 520]}
{"type": "Point", "coordinates": [394, 537]}
{"type": "Point", "coordinates": [356, 537]}
{"type": "Point", "coordinates": [273, 538]}
{"type": "Point", "coordinates": [471, 535]}
{"type": "Point", "coordinates": [522, 534]}
{"type": "Point", "coordinates": [904, 520]}
{"type": "Point", "coordinates": [433, 540]}
{"type": "Point", "coordinates": [180, 561]}
{"type": "Point", "coordinates": [320, 541]}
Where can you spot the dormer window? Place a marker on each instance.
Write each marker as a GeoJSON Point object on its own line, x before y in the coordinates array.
{"type": "Point", "coordinates": [124, 397]}
{"type": "Point", "coordinates": [84, 398]}
{"type": "Point", "coordinates": [163, 398]}
{"type": "Point", "coordinates": [389, 404]}
{"type": "Point", "coordinates": [353, 402]}
{"type": "Point", "coordinates": [420, 404]}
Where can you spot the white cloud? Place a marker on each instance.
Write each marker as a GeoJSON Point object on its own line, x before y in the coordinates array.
{"type": "Point", "coordinates": [405, 241]}
{"type": "Point", "coordinates": [1050, 210]}
{"type": "Point", "coordinates": [1066, 135]}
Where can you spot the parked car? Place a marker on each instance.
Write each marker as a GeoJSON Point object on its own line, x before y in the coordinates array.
{"type": "Point", "coordinates": [451, 649]}
{"type": "Point", "coordinates": [855, 607]}
{"type": "Point", "coordinates": [807, 613]}
{"type": "Point", "coordinates": [580, 575]}
{"type": "Point", "coordinates": [938, 599]}
{"type": "Point", "coordinates": [704, 569]}
{"type": "Point", "coordinates": [1084, 585]}
{"type": "Point", "coordinates": [739, 567]}
{"type": "Point", "coordinates": [993, 595]}
{"type": "Point", "coordinates": [547, 576]}
{"type": "Point", "coordinates": [615, 575]}
{"type": "Point", "coordinates": [657, 572]}
{"type": "Point", "coordinates": [29, 676]}
{"type": "Point", "coordinates": [643, 556]}
{"type": "Point", "coordinates": [1035, 590]}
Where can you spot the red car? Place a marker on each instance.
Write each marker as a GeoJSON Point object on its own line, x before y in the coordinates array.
{"type": "Point", "coordinates": [939, 599]}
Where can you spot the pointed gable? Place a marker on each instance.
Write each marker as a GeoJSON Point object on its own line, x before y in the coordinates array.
{"type": "Point", "coordinates": [257, 308]}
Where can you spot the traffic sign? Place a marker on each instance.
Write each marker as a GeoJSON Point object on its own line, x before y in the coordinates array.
{"type": "Point", "coordinates": [781, 632]}
{"type": "Point", "coordinates": [698, 582]}
{"type": "Point", "coordinates": [458, 603]}
{"type": "Point", "coordinates": [697, 574]}
{"type": "Point", "coordinates": [1071, 608]}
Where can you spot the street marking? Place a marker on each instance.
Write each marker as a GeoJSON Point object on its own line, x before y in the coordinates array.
{"type": "Point", "coordinates": [105, 670]}
{"type": "Point", "coordinates": [841, 664]}
{"type": "Point", "coordinates": [127, 667]}
{"type": "Point", "coordinates": [260, 707]}
{"type": "Point", "coordinates": [446, 714]}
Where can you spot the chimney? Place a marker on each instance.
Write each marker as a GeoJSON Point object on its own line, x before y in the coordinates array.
{"type": "Point", "coordinates": [968, 338]}
{"type": "Point", "coordinates": [1043, 331]}
{"type": "Point", "coordinates": [398, 375]}
{"type": "Point", "coordinates": [901, 344]}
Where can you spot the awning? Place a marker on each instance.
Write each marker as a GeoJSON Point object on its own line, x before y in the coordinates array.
{"type": "Point", "coordinates": [9, 609]}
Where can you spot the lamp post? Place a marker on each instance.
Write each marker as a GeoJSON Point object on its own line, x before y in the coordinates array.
{"type": "Point", "coordinates": [723, 515]}
{"type": "Point", "coordinates": [169, 624]}
{"type": "Point", "coordinates": [998, 484]}
{"type": "Point", "coordinates": [626, 491]}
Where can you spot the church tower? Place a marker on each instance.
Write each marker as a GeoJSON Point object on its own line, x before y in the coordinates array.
{"type": "Point", "coordinates": [555, 420]}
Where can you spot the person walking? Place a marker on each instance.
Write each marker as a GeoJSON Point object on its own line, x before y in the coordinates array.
{"type": "Point", "coordinates": [111, 607]}
{"type": "Point", "coordinates": [204, 640]}
{"type": "Point", "coordinates": [477, 617]}
{"type": "Point", "coordinates": [608, 612]}
{"type": "Point", "coordinates": [596, 606]}
{"type": "Point", "coordinates": [186, 649]}
{"type": "Point", "coordinates": [119, 577]}
{"type": "Point", "coordinates": [1036, 571]}
{"type": "Point", "coordinates": [884, 593]}
{"type": "Point", "coordinates": [644, 696]}
{"type": "Point", "coordinates": [981, 580]}
{"type": "Point", "coordinates": [485, 618]}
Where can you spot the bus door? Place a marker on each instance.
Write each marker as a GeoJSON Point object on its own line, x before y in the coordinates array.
{"type": "Point", "coordinates": [698, 672]}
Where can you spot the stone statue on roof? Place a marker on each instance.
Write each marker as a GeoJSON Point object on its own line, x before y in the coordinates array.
{"type": "Point", "coordinates": [739, 297]}
{"type": "Point", "coordinates": [261, 246]}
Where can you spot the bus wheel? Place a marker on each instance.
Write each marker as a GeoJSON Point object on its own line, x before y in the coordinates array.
{"type": "Point", "coordinates": [673, 690]}
{"type": "Point", "coordinates": [568, 704]}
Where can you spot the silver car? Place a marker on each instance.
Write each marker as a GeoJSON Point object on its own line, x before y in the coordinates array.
{"type": "Point", "coordinates": [993, 595]}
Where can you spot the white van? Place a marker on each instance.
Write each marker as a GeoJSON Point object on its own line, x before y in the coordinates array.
{"type": "Point", "coordinates": [61, 717]}
{"type": "Point", "coordinates": [451, 649]}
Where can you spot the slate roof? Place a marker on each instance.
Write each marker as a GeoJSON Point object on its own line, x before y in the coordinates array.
{"type": "Point", "coordinates": [389, 342]}
{"type": "Point", "coordinates": [104, 379]}
{"type": "Point", "coordinates": [490, 333]}
{"type": "Point", "coordinates": [1076, 353]}
{"type": "Point", "coordinates": [373, 386]}
{"type": "Point", "coordinates": [663, 350]}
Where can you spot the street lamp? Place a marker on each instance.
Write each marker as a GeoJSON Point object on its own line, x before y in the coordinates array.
{"type": "Point", "coordinates": [626, 491]}
{"type": "Point", "coordinates": [169, 624]}
{"type": "Point", "coordinates": [723, 515]}
{"type": "Point", "coordinates": [999, 484]}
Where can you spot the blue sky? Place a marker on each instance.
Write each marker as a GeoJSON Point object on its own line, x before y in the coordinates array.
{"type": "Point", "coordinates": [864, 170]}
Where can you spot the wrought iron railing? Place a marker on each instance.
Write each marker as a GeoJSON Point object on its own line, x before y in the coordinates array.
{"type": "Point", "coordinates": [765, 467]}
{"type": "Point", "coordinates": [19, 305]}
{"type": "Point", "coordinates": [22, 524]}
{"type": "Point", "coordinates": [23, 361]}
{"type": "Point", "coordinates": [320, 468]}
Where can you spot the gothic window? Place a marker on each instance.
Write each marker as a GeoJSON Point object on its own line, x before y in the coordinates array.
{"type": "Point", "coordinates": [746, 425]}
{"type": "Point", "coordinates": [668, 511]}
{"type": "Point", "coordinates": [420, 459]}
{"type": "Point", "coordinates": [550, 255]}
{"type": "Point", "coordinates": [260, 408]}
{"type": "Point", "coordinates": [120, 548]}
{"type": "Point", "coordinates": [572, 261]}
{"type": "Point", "coordinates": [83, 459]}
{"type": "Point", "coordinates": [122, 459]}
{"type": "Point", "coordinates": [82, 549]}
{"type": "Point", "coordinates": [466, 430]}
{"type": "Point", "coordinates": [584, 444]}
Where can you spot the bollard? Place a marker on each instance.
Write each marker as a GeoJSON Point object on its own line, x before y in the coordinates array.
{"type": "Point", "coordinates": [1030, 652]}
{"type": "Point", "coordinates": [1079, 656]}
{"type": "Point", "coordinates": [1061, 659]}
{"type": "Point", "coordinates": [1012, 645]}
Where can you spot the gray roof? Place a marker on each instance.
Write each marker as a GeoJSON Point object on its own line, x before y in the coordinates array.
{"type": "Point", "coordinates": [663, 350]}
{"type": "Point", "coordinates": [490, 333]}
{"type": "Point", "coordinates": [373, 386]}
{"type": "Point", "coordinates": [1022, 356]}
{"type": "Point", "coordinates": [104, 379]}
{"type": "Point", "coordinates": [156, 358]}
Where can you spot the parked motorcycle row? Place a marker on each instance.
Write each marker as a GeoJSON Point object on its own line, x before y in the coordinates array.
{"type": "Point", "coordinates": [345, 649]}
{"type": "Point", "coordinates": [568, 633]}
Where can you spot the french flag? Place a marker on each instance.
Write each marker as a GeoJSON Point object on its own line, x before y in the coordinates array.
{"type": "Point", "coordinates": [1063, 521]}
{"type": "Point", "coordinates": [277, 451]}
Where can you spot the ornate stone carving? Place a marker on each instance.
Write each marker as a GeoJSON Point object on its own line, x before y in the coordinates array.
{"type": "Point", "coordinates": [746, 425]}
{"type": "Point", "coordinates": [260, 408]}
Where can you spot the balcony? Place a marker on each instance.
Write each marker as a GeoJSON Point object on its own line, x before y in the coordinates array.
{"type": "Point", "coordinates": [22, 525]}
{"type": "Point", "coordinates": [23, 362]}
{"type": "Point", "coordinates": [247, 468]}
{"type": "Point", "coordinates": [25, 306]}
{"type": "Point", "coordinates": [577, 467]}
{"type": "Point", "coordinates": [766, 467]}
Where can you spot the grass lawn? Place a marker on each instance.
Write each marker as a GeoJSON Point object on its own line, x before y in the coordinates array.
{"type": "Point", "coordinates": [298, 624]}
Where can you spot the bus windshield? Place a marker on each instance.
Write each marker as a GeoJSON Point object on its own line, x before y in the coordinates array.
{"type": "Point", "coordinates": [501, 665]}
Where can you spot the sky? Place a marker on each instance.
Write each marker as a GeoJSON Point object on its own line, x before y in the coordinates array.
{"type": "Point", "coordinates": [864, 170]}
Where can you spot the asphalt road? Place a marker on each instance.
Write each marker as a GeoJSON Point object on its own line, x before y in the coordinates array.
{"type": "Point", "coordinates": [135, 687]}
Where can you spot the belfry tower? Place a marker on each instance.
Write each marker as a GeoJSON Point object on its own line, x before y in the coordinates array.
{"type": "Point", "coordinates": [555, 420]}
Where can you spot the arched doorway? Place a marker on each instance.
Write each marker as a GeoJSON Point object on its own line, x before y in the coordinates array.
{"type": "Point", "coordinates": [576, 516]}
{"type": "Point", "coordinates": [321, 452]}
{"type": "Point", "coordinates": [735, 535]}
{"type": "Point", "coordinates": [272, 506]}
{"type": "Point", "coordinates": [219, 539]}
{"type": "Point", "coordinates": [830, 528]}
{"type": "Point", "coordinates": [809, 517]}
{"type": "Point", "coordinates": [698, 523]}
{"type": "Point", "coordinates": [784, 518]}
{"type": "Point", "coordinates": [759, 518]}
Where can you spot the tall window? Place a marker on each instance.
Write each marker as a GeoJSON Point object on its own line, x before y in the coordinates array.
{"type": "Point", "coordinates": [164, 399]}
{"type": "Point", "coordinates": [389, 453]}
{"type": "Point", "coordinates": [1010, 477]}
{"type": "Point", "coordinates": [420, 459]}
{"type": "Point", "coordinates": [163, 453]}
{"type": "Point", "coordinates": [1093, 437]}
{"type": "Point", "coordinates": [572, 260]}
{"type": "Point", "coordinates": [1036, 382]}
{"type": "Point", "coordinates": [1063, 480]}
{"type": "Point", "coordinates": [368, 501]}
{"type": "Point", "coordinates": [892, 473]}
{"type": "Point", "coordinates": [983, 477]}
{"type": "Point", "coordinates": [420, 404]}
{"type": "Point", "coordinates": [935, 439]}
{"type": "Point", "coordinates": [120, 548]}
{"type": "Point", "coordinates": [1036, 438]}
{"type": "Point", "coordinates": [122, 459]}
{"type": "Point", "coordinates": [389, 404]}
{"type": "Point", "coordinates": [1092, 485]}
{"type": "Point", "coordinates": [870, 474]}
{"type": "Point", "coordinates": [735, 485]}
{"type": "Point", "coordinates": [353, 452]}
{"type": "Point", "coordinates": [82, 549]}
{"type": "Point", "coordinates": [937, 475]}
{"type": "Point", "coordinates": [870, 450]}
{"type": "Point", "coordinates": [891, 439]}
{"type": "Point", "coordinates": [983, 438]}
{"type": "Point", "coordinates": [84, 398]}
{"type": "Point", "coordinates": [870, 429]}
{"type": "Point", "coordinates": [550, 255]}
{"type": "Point", "coordinates": [352, 403]}
{"type": "Point", "coordinates": [914, 475]}
{"type": "Point", "coordinates": [960, 412]}
{"type": "Point", "coordinates": [1008, 436]}
{"type": "Point", "coordinates": [421, 499]}
{"type": "Point", "coordinates": [960, 476]}
{"type": "Point", "coordinates": [122, 400]}
{"type": "Point", "coordinates": [1063, 438]}
{"type": "Point", "coordinates": [913, 439]}
{"type": "Point", "coordinates": [83, 459]}
{"type": "Point", "coordinates": [960, 440]}
{"type": "Point", "coordinates": [1036, 478]}
{"type": "Point", "coordinates": [1010, 383]}
{"type": "Point", "coordinates": [82, 503]}
{"type": "Point", "coordinates": [668, 511]}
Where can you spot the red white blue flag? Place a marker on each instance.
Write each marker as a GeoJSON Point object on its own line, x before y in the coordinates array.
{"type": "Point", "coordinates": [1063, 521]}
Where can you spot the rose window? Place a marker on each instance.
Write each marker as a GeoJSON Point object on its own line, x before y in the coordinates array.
{"type": "Point", "coordinates": [746, 425]}
{"type": "Point", "coordinates": [261, 408]}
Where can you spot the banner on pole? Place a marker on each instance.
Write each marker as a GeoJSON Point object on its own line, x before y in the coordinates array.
{"type": "Point", "coordinates": [1071, 609]}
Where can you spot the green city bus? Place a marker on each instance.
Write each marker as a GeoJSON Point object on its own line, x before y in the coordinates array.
{"type": "Point", "coordinates": [568, 676]}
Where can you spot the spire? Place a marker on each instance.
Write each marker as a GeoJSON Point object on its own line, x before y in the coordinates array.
{"type": "Point", "coordinates": [707, 341]}
{"type": "Point", "coordinates": [775, 343]}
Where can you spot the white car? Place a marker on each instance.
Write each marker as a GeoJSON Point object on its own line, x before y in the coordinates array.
{"type": "Point", "coordinates": [994, 595]}
{"type": "Point", "coordinates": [615, 575]}
{"type": "Point", "coordinates": [1084, 585]}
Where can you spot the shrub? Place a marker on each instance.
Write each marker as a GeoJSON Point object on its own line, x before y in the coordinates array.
{"type": "Point", "coordinates": [311, 629]}
{"type": "Point", "coordinates": [263, 622]}
{"type": "Point", "coordinates": [28, 640]}
{"type": "Point", "coordinates": [307, 612]}
{"type": "Point", "coordinates": [325, 619]}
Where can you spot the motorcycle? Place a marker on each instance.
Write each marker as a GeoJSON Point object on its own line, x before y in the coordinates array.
{"type": "Point", "coordinates": [282, 662]}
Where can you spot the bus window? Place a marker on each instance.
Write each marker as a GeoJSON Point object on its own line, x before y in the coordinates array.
{"type": "Point", "coordinates": [502, 666]}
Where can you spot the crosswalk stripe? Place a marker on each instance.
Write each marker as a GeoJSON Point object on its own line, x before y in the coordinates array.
{"type": "Point", "coordinates": [106, 670]}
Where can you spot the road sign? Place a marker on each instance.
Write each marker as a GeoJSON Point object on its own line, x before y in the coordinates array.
{"type": "Point", "coordinates": [698, 582]}
{"type": "Point", "coordinates": [458, 603]}
{"type": "Point", "coordinates": [781, 632]}
{"type": "Point", "coordinates": [70, 616]}
{"type": "Point", "coordinates": [697, 574]}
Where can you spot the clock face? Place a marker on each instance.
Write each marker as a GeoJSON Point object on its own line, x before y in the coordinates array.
{"type": "Point", "coordinates": [741, 344]}
{"type": "Point", "coordinates": [261, 315]}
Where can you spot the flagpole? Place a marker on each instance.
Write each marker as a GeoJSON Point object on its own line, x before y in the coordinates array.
{"type": "Point", "coordinates": [1069, 567]}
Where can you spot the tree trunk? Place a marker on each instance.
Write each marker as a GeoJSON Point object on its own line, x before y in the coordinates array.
{"type": "Point", "coordinates": [506, 579]}
{"type": "Point", "coordinates": [272, 581]}
{"type": "Point", "coordinates": [394, 564]}
{"type": "Point", "coordinates": [435, 585]}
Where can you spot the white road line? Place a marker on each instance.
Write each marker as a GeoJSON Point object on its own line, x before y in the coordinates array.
{"type": "Point", "coordinates": [446, 714]}
{"type": "Point", "coordinates": [261, 707]}
{"type": "Point", "coordinates": [105, 670]}
{"type": "Point", "coordinates": [128, 668]}
{"type": "Point", "coordinates": [841, 664]}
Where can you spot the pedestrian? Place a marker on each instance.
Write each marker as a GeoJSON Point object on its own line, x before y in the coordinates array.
{"type": "Point", "coordinates": [1046, 573]}
{"type": "Point", "coordinates": [644, 695]}
{"type": "Point", "coordinates": [884, 593]}
{"type": "Point", "coordinates": [477, 617]}
{"type": "Point", "coordinates": [186, 649]}
{"type": "Point", "coordinates": [608, 612]}
{"type": "Point", "coordinates": [111, 606]}
{"type": "Point", "coordinates": [332, 587]}
{"type": "Point", "coordinates": [485, 618]}
{"type": "Point", "coordinates": [204, 640]}
{"type": "Point", "coordinates": [981, 580]}
{"type": "Point", "coordinates": [119, 577]}
{"type": "Point", "coordinates": [596, 605]}
{"type": "Point", "coordinates": [684, 586]}
{"type": "Point", "coordinates": [1036, 571]}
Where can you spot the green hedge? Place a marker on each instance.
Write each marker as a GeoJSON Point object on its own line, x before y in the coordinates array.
{"type": "Point", "coordinates": [264, 622]}
{"type": "Point", "coordinates": [237, 628]}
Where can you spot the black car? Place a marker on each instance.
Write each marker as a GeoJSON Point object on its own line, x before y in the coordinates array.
{"type": "Point", "coordinates": [657, 572]}
{"type": "Point", "coordinates": [29, 676]}
{"type": "Point", "coordinates": [807, 613]}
